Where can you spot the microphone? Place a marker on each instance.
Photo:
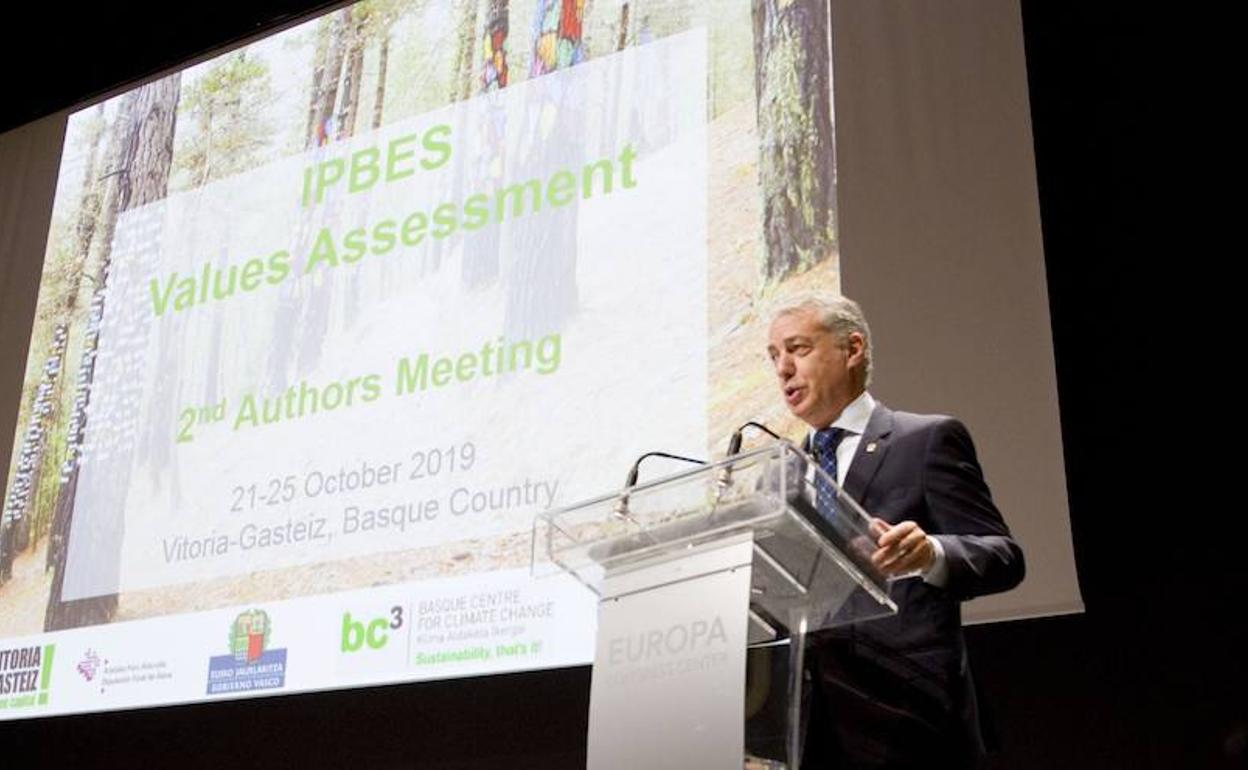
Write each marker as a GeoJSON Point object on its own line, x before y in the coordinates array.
{"type": "Point", "coordinates": [734, 448]}
{"type": "Point", "coordinates": [621, 506]}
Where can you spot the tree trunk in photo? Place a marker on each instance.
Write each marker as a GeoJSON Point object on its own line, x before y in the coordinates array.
{"type": "Point", "coordinates": [205, 125]}
{"type": "Point", "coordinates": [35, 443]}
{"type": "Point", "coordinates": [541, 286]}
{"type": "Point", "coordinates": [354, 74]}
{"type": "Point", "coordinates": [322, 89]}
{"type": "Point", "coordinates": [140, 158]}
{"type": "Point", "coordinates": [318, 79]}
{"type": "Point", "coordinates": [17, 522]}
{"type": "Point", "coordinates": [299, 322]}
{"type": "Point", "coordinates": [382, 15]}
{"type": "Point", "coordinates": [88, 211]}
{"type": "Point", "coordinates": [150, 151]}
{"type": "Point", "coordinates": [465, 47]}
{"type": "Point", "coordinates": [153, 160]}
{"type": "Point", "coordinates": [325, 79]}
{"type": "Point", "coordinates": [94, 233]}
{"type": "Point", "coordinates": [352, 85]}
{"type": "Point", "coordinates": [796, 152]}
{"type": "Point", "coordinates": [22, 517]}
{"type": "Point", "coordinates": [611, 124]}
{"type": "Point", "coordinates": [480, 265]}
{"type": "Point", "coordinates": [462, 30]}
{"type": "Point", "coordinates": [383, 63]}
{"type": "Point", "coordinates": [621, 37]}
{"type": "Point", "coordinates": [313, 311]}
{"type": "Point", "coordinates": [44, 411]}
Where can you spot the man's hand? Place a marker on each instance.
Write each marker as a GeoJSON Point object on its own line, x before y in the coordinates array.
{"type": "Point", "coordinates": [903, 549]}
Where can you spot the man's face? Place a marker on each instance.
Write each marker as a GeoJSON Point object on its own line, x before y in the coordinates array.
{"type": "Point", "coordinates": [815, 370]}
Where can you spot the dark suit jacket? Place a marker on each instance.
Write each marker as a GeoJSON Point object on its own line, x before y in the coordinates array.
{"type": "Point", "coordinates": [897, 692]}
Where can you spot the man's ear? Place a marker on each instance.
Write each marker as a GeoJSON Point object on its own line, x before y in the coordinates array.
{"type": "Point", "coordinates": [855, 347]}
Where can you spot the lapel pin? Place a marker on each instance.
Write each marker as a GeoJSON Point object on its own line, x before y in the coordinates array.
{"type": "Point", "coordinates": [871, 447]}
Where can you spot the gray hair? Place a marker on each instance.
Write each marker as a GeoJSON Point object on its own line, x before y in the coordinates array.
{"type": "Point", "coordinates": [838, 315]}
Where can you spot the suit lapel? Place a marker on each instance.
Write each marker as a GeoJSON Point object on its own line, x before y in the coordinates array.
{"type": "Point", "coordinates": [870, 452]}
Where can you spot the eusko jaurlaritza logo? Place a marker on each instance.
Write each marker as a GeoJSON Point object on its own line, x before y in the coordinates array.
{"type": "Point", "coordinates": [250, 664]}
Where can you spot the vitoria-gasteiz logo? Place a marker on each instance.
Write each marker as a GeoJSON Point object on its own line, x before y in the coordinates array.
{"type": "Point", "coordinates": [250, 664]}
{"type": "Point", "coordinates": [25, 675]}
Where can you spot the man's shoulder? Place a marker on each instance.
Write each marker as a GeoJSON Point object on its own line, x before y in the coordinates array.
{"type": "Point", "coordinates": [928, 434]}
{"type": "Point", "coordinates": [914, 422]}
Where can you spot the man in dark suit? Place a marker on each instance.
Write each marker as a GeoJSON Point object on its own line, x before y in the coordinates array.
{"type": "Point", "coordinates": [896, 692]}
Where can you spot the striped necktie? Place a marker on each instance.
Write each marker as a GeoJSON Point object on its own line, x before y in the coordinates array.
{"type": "Point", "coordinates": [825, 443]}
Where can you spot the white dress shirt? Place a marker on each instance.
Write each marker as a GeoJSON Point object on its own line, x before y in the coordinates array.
{"type": "Point", "coordinates": [853, 421]}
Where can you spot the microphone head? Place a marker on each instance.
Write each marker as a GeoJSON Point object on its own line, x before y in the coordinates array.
{"type": "Point", "coordinates": [631, 480]}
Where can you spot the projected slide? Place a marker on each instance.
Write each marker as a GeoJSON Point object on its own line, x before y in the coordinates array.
{"type": "Point", "coordinates": [327, 320]}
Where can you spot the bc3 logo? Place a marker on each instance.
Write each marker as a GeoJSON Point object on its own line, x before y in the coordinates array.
{"type": "Point", "coordinates": [373, 632]}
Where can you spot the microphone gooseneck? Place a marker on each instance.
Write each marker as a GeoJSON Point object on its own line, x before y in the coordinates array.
{"type": "Point", "coordinates": [630, 481]}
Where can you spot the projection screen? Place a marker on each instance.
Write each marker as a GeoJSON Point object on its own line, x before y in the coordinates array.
{"type": "Point", "coordinates": [326, 319]}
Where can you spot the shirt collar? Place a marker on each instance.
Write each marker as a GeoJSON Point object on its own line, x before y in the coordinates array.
{"type": "Point", "coordinates": [854, 417]}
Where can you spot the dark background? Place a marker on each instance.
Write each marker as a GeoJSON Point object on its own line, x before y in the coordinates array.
{"type": "Point", "coordinates": [1149, 677]}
